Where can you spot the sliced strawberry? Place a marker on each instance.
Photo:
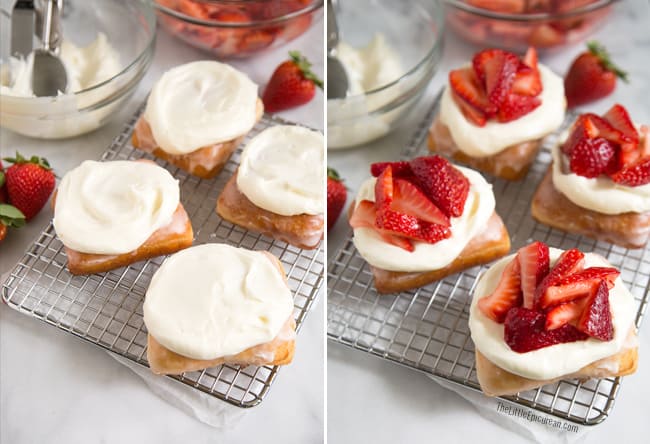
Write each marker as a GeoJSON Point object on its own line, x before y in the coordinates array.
{"type": "Point", "coordinates": [567, 313]}
{"type": "Point", "coordinates": [474, 115]}
{"type": "Point", "coordinates": [525, 330]}
{"type": "Point", "coordinates": [441, 182]}
{"type": "Point", "coordinates": [592, 157]}
{"type": "Point", "coordinates": [409, 199]}
{"type": "Point", "coordinates": [634, 175]}
{"type": "Point", "coordinates": [607, 130]}
{"type": "Point", "coordinates": [516, 106]}
{"type": "Point", "coordinates": [533, 262]}
{"type": "Point", "coordinates": [470, 95]}
{"type": "Point", "coordinates": [505, 296]}
{"type": "Point", "coordinates": [496, 69]}
{"type": "Point", "coordinates": [364, 216]}
{"type": "Point", "coordinates": [577, 285]}
{"type": "Point", "coordinates": [400, 168]}
{"type": "Point", "coordinates": [527, 81]}
{"type": "Point", "coordinates": [571, 261]}
{"type": "Point", "coordinates": [596, 319]}
{"type": "Point", "coordinates": [384, 188]}
{"type": "Point", "coordinates": [583, 128]}
{"type": "Point", "coordinates": [620, 119]}
{"type": "Point", "coordinates": [409, 226]}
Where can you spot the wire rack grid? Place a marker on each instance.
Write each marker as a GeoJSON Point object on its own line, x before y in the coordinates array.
{"type": "Point", "coordinates": [106, 309]}
{"type": "Point", "coordinates": [427, 329]}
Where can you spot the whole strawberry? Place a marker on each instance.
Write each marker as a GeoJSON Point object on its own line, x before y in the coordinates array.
{"type": "Point", "coordinates": [10, 216]}
{"type": "Point", "coordinates": [3, 188]}
{"type": "Point", "coordinates": [292, 84]}
{"type": "Point", "coordinates": [336, 196]}
{"type": "Point", "coordinates": [592, 76]}
{"type": "Point", "coordinates": [29, 183]}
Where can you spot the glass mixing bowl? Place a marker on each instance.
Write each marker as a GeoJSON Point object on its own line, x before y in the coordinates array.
{"type": "Point", "coordinates": [130, 27]}
{"type": "Point", "coordinates": [518, 24]}
{"type": "Point", "coordinates": [237, 28]}
{"type": "Point", "coordinates": [413, 29]}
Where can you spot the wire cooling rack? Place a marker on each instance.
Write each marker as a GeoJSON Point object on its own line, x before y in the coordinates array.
{"type": "Point", "coordinates": [427, 329]}
{"type": "Point", "coordinates": [106, 309]}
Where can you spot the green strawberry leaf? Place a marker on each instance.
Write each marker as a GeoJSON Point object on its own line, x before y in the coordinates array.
{"type": "Point", "coordinates": [20, 159]}
{"type": "Point", "coordinates": [2, 178]}
{"type": "Point", "coordinates": [11, 216]}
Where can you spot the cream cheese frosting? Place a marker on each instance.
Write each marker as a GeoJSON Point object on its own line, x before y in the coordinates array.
{"type": "Point", "coordinates": [479, 207]}
{"type": "Point", "coordinates": [113, 207]}
{"type": "Point", "coordinates": [599, 194]}
{"type": "Point", "coordinates": [556, 360]}
{"type": "Point", "coordinates": [281, 170]}
{"type": "Point", "coordinates": [85, 67]}
{"type": "Point", "coordinates": [200, 104]}
{"type": "Point", "coordinates": [215, 300]}
{"type": "Point", "coordinates": [492, 138]}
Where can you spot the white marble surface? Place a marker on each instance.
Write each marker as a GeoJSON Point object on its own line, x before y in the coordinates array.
{"type": "Point", "coordinates": [372, 400]}
{"type": "Point", "coordinates": [56, 388]}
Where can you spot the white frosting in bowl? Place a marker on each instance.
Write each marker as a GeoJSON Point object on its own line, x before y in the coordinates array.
{"type": "Point", "coordinates": [281, 170]}
{"type": "Point", "coordinates": [478, 210]}
{"type": "Point", "coordinates": [556, 360]}
{"type": "Point", "coordinates": [492, 138]}
{"type": "Point", "coordinates": [200, 104]}
{"type": "Point", "coordinates": [215, 300]}
{"type": "Point", "coordinates": [599, 194]}
{"type": "Point", "coordinates": [113, 207]}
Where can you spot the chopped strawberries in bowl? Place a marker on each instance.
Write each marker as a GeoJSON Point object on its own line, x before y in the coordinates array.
{"type": "Point", "coordinates": [540, 304]}
{"type": "Point", "coordinates": [609, 146]}
{"type": "Point", "coordinates": [499, 85]}
{"type": "Point", "coordinates": [515, 24]}
{"type": "Point", "coordinates": [414, 201]}
{"type": "Point", "coordinates": [237, 29]}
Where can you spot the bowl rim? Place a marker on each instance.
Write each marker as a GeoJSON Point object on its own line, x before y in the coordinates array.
{"type": "Point", "coordinates": [538, 16]}
{"type": "Point", "coordinates": [438, 42]}
{"type": "Point", "coordinates": [318, 4]}
{"type": "Point", "coordinates": [150, 17]}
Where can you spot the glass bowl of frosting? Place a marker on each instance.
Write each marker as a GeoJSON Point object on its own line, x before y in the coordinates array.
{"type": "Point", "coordinates": [237, 28]}
{"type": "Point", "coordinates": [518, 24]}
{"type": "Point", "coordinates": [390, 51]}
{"type": "Point", "coordinates": [106, 48]}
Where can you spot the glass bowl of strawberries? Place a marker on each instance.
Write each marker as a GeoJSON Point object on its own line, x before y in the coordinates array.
{"type": "Point", "coordinates": [237, 28]}
{"type": "Point", "coordinates": [518, 24]}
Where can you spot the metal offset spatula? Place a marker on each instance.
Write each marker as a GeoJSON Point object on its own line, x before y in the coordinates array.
{"type": "Point", "coordinates": [49, 75]}
{"type": "Point", "coordinates": [337, 78]}
{"type": "Point", "coordinates": [22, 28]}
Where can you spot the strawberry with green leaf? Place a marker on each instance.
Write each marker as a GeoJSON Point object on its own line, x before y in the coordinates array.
{"type": "Point", "coordinates": [292, 84]}
{"type": "Point", "coordinates": [10, 216]}
{"type": "Point", "coordinates": [30, 183]}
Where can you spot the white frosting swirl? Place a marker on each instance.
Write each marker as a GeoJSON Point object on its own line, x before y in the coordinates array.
{"type": "Point", "coordinates": [113, 207]}
{"type": "Point", "coordinates": [599, 194]}
{"type": "Point", "coordinates": [200, 104]}
{"type": "Point", "coordinates": [478, 210]}
{"type": "Point", "coordinates": [492, 138]}
{"type": "Point", "coordinates": [556, 360]}
{"type": "Point", "coordinates": [281, 170]}
{"type": "Point", "coordinates": [215, 300]}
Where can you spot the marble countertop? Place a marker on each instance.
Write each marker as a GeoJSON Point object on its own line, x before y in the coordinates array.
{"type": "Point", "coordinates": [56, 388]}
{"type": "Point", "coordinates": [372, 400]}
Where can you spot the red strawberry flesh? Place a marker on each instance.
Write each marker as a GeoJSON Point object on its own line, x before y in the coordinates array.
{"type": "Point", "coordinates": [441, 182]}
{"type": "Point", "coordinates": [400, 169]}
{"type": "Point", "coordinates": [408, 199]}
{"type": "Point", "coordinates": [596, 319]}
{"type": "Point", "coordinates": [570, 261]}
{"type": "Point", "coordinates": [593, 157]}
{"type": "Point", "coordinates": [525, 330]}
{"type": "Point", "coordinates": [384, 188]}
{"type": "Point", "coordinates": [364, 216]}
{"type": "Point", "coordinates": [577, 285]}
{"type": "Point", "coordinates": [567, 313]}
{"type": "Point", "coordinates": [534, 262]}
{"type": "Point", "coordinates": [505, 296]}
